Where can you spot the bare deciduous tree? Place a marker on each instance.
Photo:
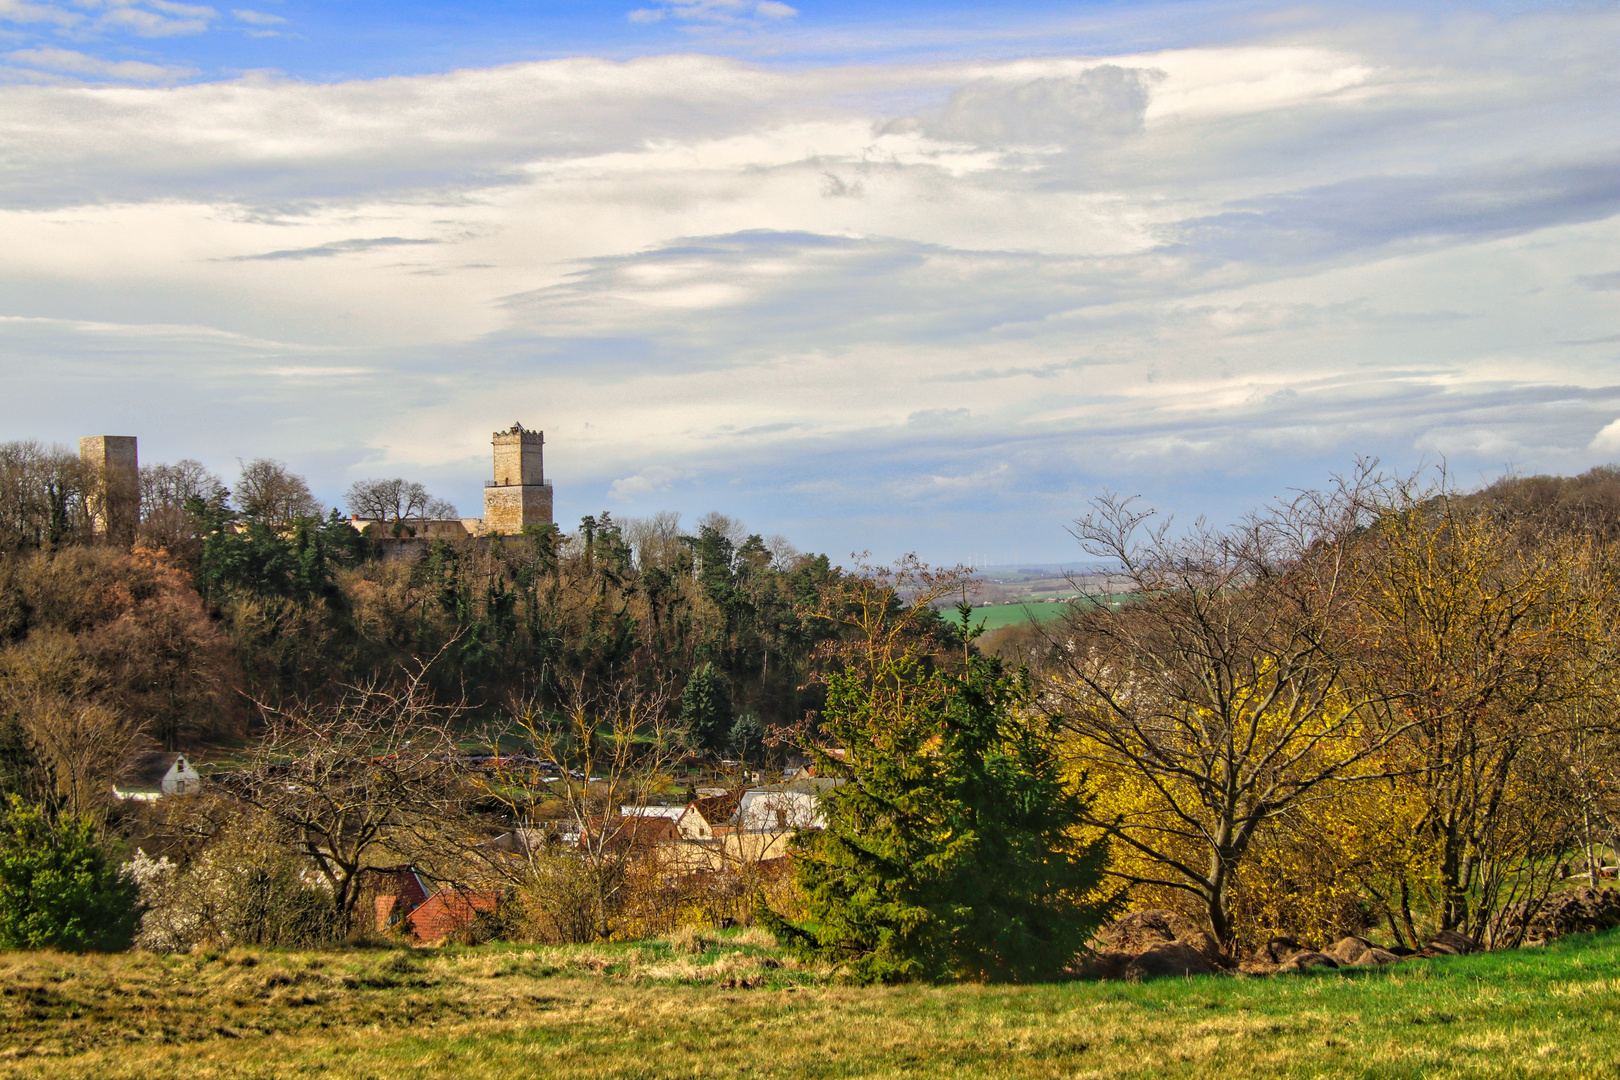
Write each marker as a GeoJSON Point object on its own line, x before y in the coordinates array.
{"type": "Point", "coordinates": [370, 782]}
{"type": "Point", "coordinates": [602, 749]}
{"type": "Point", "coordinates": [78, 741]}
{"type": "Point", "coordinates": [270, 493]}
{"type": "Point", "coordinates": [1489, 644]}
{"type": "Point", "coordinates": [395, 500]}
{"type": "Point", "coordinates": [43, 496]}
{"type": "Point", "coordinates": [783, 553]}
{"type": "Point", "coordinates": [656, 540]}
{"type": "Point", "coordinates": [167, 494]}
{"type": "Point", "coordinates": [1222, 693]}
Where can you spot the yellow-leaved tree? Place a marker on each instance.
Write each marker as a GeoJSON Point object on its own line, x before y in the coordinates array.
{"type": "Point", "coordinates": [1224, 695]}
{"type": "Point", "coordinates": [1489, 638]}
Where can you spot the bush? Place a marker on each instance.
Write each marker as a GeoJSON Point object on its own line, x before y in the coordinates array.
{"type": "Point", "coordinates": [567, 901]}
{"type": "Point", "coordinates": [59, 889]}
{"type": "Point", "coordinates": [242, 889]}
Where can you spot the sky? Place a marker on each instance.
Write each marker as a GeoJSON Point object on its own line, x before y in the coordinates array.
{"type": "Point", "coordinates": [877, 277]}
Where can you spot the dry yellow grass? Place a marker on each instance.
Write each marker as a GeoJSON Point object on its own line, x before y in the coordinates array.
{"type": "Point", "coordinates": [652, 1011]}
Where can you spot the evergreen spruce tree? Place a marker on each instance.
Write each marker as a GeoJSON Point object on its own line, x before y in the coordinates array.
{"type": "Point", "coordinates": [949, 851]}
{"type": "Point", "coordinates": [706, 708]}
{"type": "Point", "coordinates": [747, 738]}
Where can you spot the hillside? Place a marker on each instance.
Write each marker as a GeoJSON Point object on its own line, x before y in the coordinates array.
{"type": "Point", "coordinates": [737, 1009]}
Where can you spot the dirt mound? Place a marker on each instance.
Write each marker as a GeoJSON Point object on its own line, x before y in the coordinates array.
{"type": "Point", "coordinates": [1170, 959]}
{"type": "Point", "coordinates": [1579, 911]}
{"type": "Point", "coordinates": [1279, 949]}
{"type": "Point", "coordinates": [1154, 943]}
{"type": "Point", "coordinates": [1141, 930]}
{"type": "Point", "coordinates": [1451, 943]}
{"type": "Point", "coordinates": [1305, 961]}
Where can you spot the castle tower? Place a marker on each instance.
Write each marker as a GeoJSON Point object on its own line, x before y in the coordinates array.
{"type": "Point", "coordinates": [114, 492]}
{"type": "Point", "coordinates": [519, 494]}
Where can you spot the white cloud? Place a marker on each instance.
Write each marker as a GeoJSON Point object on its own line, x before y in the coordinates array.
{"type": "Point", "coordinates": [650, 481]}
{"type": "Point", "coordinates": [257, 18]}
{"type": "Point", "coordinates": [144, 18]}
{"type": "Point", "coordinates": [1101, 103]}
{"type": "Point", "coordinates": [1607, 441]}
{"type": "Point", "coordinates": [21, 11]}
{"type": "Point", "coordinates": [714, 12]}
{"type": "Point", "coordinates": [1206, 271]}
{"type": "Point", "coordinates": [77, 63]}
{"type": "Point", "coordinates": [148, 23]}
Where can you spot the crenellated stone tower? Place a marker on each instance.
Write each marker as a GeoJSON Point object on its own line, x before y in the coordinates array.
{"type": "Point", "coordinates": [114, 494]}
{"type": "Point", "coordinates": [519, 494]}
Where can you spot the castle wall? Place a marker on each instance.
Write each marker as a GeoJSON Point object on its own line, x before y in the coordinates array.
{"type": "Point", "coordinates": [508, 509]}
{"type": "Point", "coordinates": [115, 486]}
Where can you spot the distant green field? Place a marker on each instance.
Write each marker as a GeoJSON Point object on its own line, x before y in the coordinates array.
{"type": "Point", "coordinates": [995, 618]}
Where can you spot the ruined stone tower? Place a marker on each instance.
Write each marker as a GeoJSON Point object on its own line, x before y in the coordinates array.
{"type": "Point", "coordinates": [114, 486]}
{"type": "Point", "coordinates": [519, 494]}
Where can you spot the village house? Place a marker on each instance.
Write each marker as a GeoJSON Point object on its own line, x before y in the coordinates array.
{"type": "Point", "coordinates": [155, 774]}
{"type": "Point", "coordinates": [402, 900]}
{"type": "Point", "coordinates": [744, 826]}
{"type": "Point", "coordinates": [450, 912]}
{"type": "Point", "coordinates": [709, 817]}
{"type": "Point", "coordinates": [394, 893]}
{"type": "Point", "coordinates": [793, 805]}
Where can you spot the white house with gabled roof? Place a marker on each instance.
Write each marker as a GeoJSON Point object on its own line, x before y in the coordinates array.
{"type": "Point", "coordinates": [156, 774]}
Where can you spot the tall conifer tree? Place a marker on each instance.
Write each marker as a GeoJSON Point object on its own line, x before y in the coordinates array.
{"type": "Point", "coordinates": [949, 850]}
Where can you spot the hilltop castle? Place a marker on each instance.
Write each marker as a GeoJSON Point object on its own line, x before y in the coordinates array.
{"type": "Point", "coordinates": [114, 495]}
{"type": "Point", "coordinates": [518, 496]}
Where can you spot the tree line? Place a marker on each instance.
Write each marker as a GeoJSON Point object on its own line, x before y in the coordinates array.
{"type": "Point", "coordinates": [1385, 707]}
{"type": "Point", "coordinates": [249, 596]}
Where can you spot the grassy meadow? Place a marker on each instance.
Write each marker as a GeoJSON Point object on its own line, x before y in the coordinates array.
{"type": "Point", "coordinates": [1000, 615]}
{"type": "Point", "coordinates": [733, 1006]}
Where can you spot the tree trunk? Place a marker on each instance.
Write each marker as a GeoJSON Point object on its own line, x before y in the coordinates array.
{"type": "Point", "coordinates": [1406, 915]}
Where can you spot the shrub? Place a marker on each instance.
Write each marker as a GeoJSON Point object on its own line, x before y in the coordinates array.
{"type": "Point", "coordinates": [59, 889]}
{"type": "Point", "coordinates": [242, 889]}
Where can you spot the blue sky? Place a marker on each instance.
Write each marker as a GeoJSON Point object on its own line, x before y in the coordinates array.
{"type": "Point", "coordinates": [892, 277]}
{"type": "Point", "coordinates": [371, 38]}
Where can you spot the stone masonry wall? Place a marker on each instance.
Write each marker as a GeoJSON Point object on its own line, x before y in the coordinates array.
{"type": "Point", "coordinates": [115, 497]}
{"type": "Point", "coordinates": [508, 509]}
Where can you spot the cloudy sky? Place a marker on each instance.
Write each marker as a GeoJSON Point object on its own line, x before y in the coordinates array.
{"type": "Point", "coordinates": [904, 277]}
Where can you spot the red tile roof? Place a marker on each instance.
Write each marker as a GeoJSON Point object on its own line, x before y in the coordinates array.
{"type": "Point", "coordinates": [635, 832]}
{"type": "Point", "coordinates": [718, 809]}
{"type": "Point", "coordinates": [447, 912]}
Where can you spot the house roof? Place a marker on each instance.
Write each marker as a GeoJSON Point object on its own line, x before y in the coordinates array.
{"type": "Point", "coordinates": [402, 881]}
{"type": "Point", "coordinates": [671, 812]}
{"type": "Point", "coordinates": [147, 771]}
{"type": "Point", "coordinates": [795, 803]}
{"type": "Point", "coordinates": [803, 785]}
{"type": "Point", "coordinates": [649, 830]}
{"type": "Point", "coordinates": [616, 832]}
{"type": "Point", "coordinates": [445, 912]}
{"type": "Point", "coordinates": [717, 809]}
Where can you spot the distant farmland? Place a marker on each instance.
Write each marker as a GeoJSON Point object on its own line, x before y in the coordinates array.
{"type": "Point", "coordinates": [995, 618]}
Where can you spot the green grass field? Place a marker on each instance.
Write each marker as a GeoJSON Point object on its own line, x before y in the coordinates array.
{"type": "Point", "coordinates": [1000, 615]}
{"type": "Point", "coordinates": [736, 1009]}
